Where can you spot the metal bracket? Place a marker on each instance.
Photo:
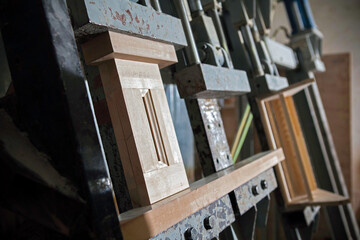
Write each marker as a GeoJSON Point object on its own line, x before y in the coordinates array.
{"type": "Point", "coordinates": [249, 194]}
{"type": "Point", "coordinates": [96, 16]}
{"type": "Point", "coordinates": [207, 223]}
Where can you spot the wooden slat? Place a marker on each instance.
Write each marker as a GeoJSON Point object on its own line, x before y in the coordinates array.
{"type": "Point", "coordinates": [111, 45]}
{"type": "Point", "coordinates": [320, 197]}
{"type": "Point", "coordinates": [153, 220]}
{"type": "Point", "coordinates": [279, 143]}
{"type": "Point", "coordinates": [289, 91]}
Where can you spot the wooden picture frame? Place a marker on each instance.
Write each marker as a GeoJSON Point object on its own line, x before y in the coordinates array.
{"type": "Point", "coordinates": [282, 127]}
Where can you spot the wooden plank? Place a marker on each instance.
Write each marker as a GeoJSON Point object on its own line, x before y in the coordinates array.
{"type": "Point", "coordinates": [289, 91]}
{"type": "Point", "coordinates": [111, 45]}
{"type": "Point", "coordinates": [320, 197]}
{"type": "Point", "coordinates": [202, 193]}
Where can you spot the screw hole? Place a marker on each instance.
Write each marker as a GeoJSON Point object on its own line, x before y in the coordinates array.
{"type": "Point", "coordinates": [217, 160]}
{"type": "Point", "coordinates": [208, 126]}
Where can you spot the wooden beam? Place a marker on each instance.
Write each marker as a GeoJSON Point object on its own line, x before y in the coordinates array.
{"type": "Point", "coordinates": [110, 45]}
{"type": "Point", "coordinates": [164, 214]}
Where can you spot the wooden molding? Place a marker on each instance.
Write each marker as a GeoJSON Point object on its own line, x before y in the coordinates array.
{"type": "Point", "coordinates": [110, 45]}
{"type": "Point", "coordinates": [153, 219]}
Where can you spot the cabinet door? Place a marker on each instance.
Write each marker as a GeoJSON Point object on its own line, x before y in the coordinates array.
{"type": "Point", "coordinates": [144, 130]}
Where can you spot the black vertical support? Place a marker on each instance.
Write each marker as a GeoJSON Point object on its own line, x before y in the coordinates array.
{"type": "Point", "coordinates": [55, 103]}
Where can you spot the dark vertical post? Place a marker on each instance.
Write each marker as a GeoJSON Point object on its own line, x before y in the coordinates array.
{"type": "Point", "coordinates": [55, 103]}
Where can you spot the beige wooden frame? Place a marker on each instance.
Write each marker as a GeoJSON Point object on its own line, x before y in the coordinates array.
{"type": "Point", "coordinates": [282, 128]}
{"type": "Point", "coordinates": [129, 67]}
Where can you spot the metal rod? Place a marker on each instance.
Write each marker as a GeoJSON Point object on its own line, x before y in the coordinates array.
{"type": "Point", "coordinates": [220, 32]}
{"type": "Point", "coordinates": [254, 57]}
{"type": "Point", "coordinates": [298, 20]}
{"type": "Point", "coordinates": [156, 5]}
{"type": "Point", "coordinates": [192, 53]}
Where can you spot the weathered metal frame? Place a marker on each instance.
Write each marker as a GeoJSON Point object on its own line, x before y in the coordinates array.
{"type": "Point", "coordinates": [97, 16]}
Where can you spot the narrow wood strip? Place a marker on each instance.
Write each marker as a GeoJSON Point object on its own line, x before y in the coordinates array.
{"type": "Point", "coordinates": [289, 91]}
{"type": "Point", "coordinates": [283, 166]}
{"type": "Point", "coordinates": [155, 128]}
{"type": "Point", "coordinates": [111, 45]}
{"type": "Point", "coordinates": [240, 129]}
{"type": "Point", "coordinates": [320, 197]}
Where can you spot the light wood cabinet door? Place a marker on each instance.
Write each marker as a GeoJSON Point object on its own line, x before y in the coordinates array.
{"type": "Point", "coordinates": [140, 115]}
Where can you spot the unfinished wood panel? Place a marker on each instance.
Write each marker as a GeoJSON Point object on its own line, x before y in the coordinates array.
{"type": "Point", "coordinates": [201, 193]}
{"type": "Point", "coordinates": [139, 113]}
{"type": "Point", "coordinates": [122, 46]}
{"type": "Point", "coordinates": [334, 87]}
{"type": "Point", "coordinates": [296, 177]}
{"type": "Point", "coordinates": [143, 129]}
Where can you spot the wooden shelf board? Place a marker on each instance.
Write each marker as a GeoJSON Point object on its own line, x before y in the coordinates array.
{"type": "Point", "coordinates": [111, 45]}
{"type": "Point", "coordinates": [289, 91]}
{"type": "Point", "coordinates": [160, 216]}
{"type": "Point", "coordinates": [320, 197]}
